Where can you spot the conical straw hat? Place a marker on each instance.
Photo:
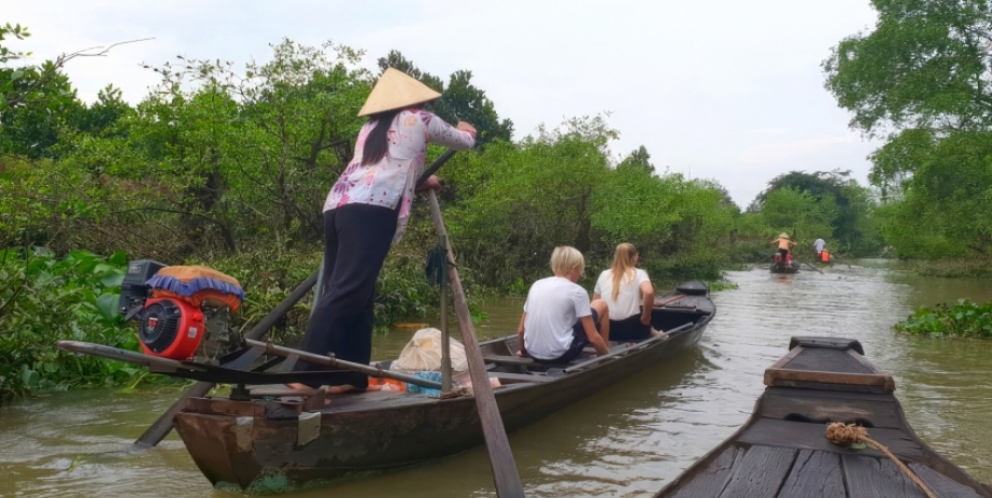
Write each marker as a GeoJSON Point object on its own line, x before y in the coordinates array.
{"type": "Point", "coordinates": [396, 90]}
{"type": "Point", "coordinates": [783, 235]}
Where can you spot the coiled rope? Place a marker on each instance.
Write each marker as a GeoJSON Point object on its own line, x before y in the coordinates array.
{"type": "Point", "coordinates": [847, 434]}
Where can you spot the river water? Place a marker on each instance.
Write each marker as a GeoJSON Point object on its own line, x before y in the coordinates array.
{"type": "Point", "coordinates": [629, 441]}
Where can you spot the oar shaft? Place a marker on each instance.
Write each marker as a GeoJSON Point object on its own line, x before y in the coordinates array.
{"type": "Point", "coordinates": [505, 475]}
{"type": "Point", "coordinates": [430, 170]}
{"type": "Point", "coordinates": [332, 362]}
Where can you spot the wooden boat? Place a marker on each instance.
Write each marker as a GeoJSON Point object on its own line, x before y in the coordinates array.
{"type": "Point", "coordinates": [259, 445]}
{"type": "Point", "coordinates": [782, 450]}
{"type": "Point", "coordinates": [783, 268]}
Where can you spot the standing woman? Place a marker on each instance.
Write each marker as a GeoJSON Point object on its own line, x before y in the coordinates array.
{"type": "Point", "coordinates": [367, 211]}
{"type": "Point", "coordinates": [629, 296]}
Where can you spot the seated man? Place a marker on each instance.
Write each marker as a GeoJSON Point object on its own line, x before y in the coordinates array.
{"type": "Point", "coordinates": [558, 319]}
{"type": "Point", "coordinates": [819, 245]}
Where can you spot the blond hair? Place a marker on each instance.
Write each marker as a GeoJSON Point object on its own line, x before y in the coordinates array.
{"type": "Point", "coordinates": [565, 258]}
{"type": "Point", "coordinates": [623, 266]}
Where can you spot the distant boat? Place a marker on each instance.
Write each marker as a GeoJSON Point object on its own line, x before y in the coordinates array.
{"type": "Point", "coordinates": [782, 449]}
{"type": "Point", "coordinates": [792, 267]}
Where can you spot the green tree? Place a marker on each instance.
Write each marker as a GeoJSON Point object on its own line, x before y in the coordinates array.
{"type": "Point", "coordinates": [799, 213]}
{"type": "Point", "coordinates": [923, 75]}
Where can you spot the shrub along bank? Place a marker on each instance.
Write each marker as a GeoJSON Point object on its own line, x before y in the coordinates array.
{"type": "Point", "coordinates": [965, 319]}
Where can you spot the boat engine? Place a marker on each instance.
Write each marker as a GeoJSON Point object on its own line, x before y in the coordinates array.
{"type": "Point", "coordinates": [182, 312]}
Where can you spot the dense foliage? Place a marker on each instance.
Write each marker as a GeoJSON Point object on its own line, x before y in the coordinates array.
{"type": "Point", "coordinates": [228, 167]}
{"type": "Point", "coordinates": [921, 78]}
{"type": "Point", "coordinates": [963, 319]}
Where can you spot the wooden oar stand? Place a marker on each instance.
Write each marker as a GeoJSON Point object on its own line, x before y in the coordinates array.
{"type": "Point", "coordinates": [838, 364]}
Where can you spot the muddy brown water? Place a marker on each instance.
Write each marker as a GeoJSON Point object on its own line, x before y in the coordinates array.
{"type": "Point", "coordinates": [628, 441]}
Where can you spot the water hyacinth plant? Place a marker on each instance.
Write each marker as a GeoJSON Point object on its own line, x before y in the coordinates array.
{"type": "Point", "coordinates": [965, 318]}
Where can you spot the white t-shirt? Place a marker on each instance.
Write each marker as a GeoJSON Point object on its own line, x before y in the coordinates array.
{"type": "Point", "coordinates": [819, 245]}
{"type": "Point", "coordinates": [629, 299]}
{"type": "Point", "coordinates": [553, 306]}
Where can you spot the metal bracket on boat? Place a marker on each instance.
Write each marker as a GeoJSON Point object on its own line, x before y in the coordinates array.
{"type": "Point", "coordinates": [307, 427]}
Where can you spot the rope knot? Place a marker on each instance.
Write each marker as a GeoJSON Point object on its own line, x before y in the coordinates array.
{"type": "Point", "coordinates": [843, 434]}
{"type": "Point", "coordinates": [847, 434]}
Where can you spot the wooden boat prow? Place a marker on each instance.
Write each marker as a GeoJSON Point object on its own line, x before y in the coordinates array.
{"type": "Point", "coordinates": [782, 450]}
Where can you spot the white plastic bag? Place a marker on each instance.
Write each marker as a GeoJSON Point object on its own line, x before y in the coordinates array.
{"type": "Point", "coordinates": [423, 353]}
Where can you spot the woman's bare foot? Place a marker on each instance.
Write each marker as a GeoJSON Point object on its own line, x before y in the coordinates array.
{"type": "Point", "coordinates": [296, 386]}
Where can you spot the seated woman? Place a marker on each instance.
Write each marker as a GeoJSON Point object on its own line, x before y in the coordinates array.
{"type": "Point", "coordinates": [558, 319]}
{"type": "Point", "coordinates": [629, 296]}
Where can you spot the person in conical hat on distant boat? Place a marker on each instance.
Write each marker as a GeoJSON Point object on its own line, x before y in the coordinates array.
{"type": "Point", "coordinates": [784, 243]}
{"type": "Point", "coordinates": [366, 211]}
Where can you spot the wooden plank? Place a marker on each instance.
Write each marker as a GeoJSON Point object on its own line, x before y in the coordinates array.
{"type": "Point", "coordinates": [877, 413]}
{"type": "Point", "coordinates": [829, 360]}
{"type": "Point", "coordinates": [775, 376]}
{"type": "Point", "coordinates": [943, 486]}
{"type": "Point", "coordinates": [805, 436]}
{"type": "Point", "coordinates": [760, 472]}
{"type": "Point", "coordinates": [710, 481]}
{"type": "Point", "coordinates": [780, 364]}
{"type": "Point", "coordinates": [816, 474]}
{"type": "Point", "coordinates": [508, 360]}
{"type": "Point", "coordinates": [522, 377]}
{"type": "Point", "coordinates": [870, 477]}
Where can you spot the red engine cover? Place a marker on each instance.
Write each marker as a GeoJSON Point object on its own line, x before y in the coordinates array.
{"type": "Point", "coordinates": [170, 328]}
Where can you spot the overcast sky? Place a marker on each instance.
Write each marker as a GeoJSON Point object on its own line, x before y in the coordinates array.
{"type": "Point", "coordinates": [724, 89]}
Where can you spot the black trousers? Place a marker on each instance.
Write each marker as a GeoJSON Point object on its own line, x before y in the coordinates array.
{"type": "Point", "coordinates": [357, 238]}
{"type": "Point", "coordinates": [629, 329]}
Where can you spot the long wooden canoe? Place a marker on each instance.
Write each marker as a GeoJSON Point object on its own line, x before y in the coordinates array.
{"type": "Point", "coordinates": [261, 445]}
{"type": "Point", "coordinates": [782, 450]}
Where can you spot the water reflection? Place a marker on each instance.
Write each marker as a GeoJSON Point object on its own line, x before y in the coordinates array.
{"type": "Point", "coordinates": [628, 441]}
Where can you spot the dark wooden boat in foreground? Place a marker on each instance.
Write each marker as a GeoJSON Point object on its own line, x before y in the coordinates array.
{"type": "Point", "coordinates": [782, 450]}
{"type": "Point", "coordinates": [263, 444]}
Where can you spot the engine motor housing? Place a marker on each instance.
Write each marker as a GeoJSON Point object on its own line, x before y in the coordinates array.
{"type": "Point", "coordinates": [170, 328]}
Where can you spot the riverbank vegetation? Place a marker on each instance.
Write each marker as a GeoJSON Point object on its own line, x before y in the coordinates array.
{"type": "Point", "coordinates": [228, 167]}
{"type": "Point", "coordinates": [920, 81]}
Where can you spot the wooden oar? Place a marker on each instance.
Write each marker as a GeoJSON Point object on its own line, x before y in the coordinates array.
{"type": "Point", "coordinates": [505, 473]}
{"type": "Point", "coordinates": [161, 428]}
{"type": "Point", "coordinates": [834, 256]}
{"type": "Point", "coordinates": [658, 304]}
{"type": "Point", "coordinates": [813, 267]}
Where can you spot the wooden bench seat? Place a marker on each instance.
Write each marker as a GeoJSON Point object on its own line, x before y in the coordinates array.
{"type": "Point", "coordinates": [517, 377]}
{"type": "Point", "coordinates": [509, 360]}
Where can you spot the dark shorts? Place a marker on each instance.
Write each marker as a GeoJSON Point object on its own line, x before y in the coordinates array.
{"type": "Point", "coordinates": [629, 329]}
{"type": "Point", "coordinates": [579, 341]}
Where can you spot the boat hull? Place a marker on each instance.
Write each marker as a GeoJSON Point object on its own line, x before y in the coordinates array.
{"type": "Point", "coordinates": [257, 447]}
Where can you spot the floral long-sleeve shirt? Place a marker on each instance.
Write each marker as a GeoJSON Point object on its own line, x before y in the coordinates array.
{"type": "Point", "coordinates": [391, 181]}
